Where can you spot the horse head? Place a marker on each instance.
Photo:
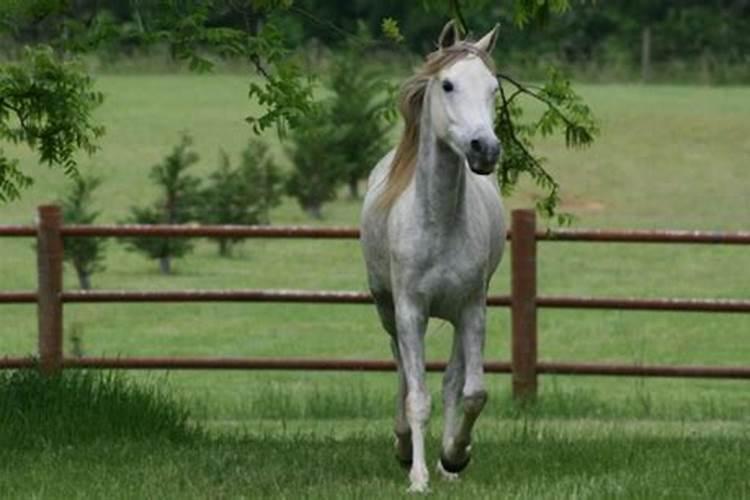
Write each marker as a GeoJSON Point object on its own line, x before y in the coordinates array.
{"type": "Point", "coordinates": [461, 98]}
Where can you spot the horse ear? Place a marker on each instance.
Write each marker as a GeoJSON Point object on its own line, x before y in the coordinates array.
{"type": "Point", "coordinates": [449, 36]}
{"type": "Point", "coordinates": [487, 42]}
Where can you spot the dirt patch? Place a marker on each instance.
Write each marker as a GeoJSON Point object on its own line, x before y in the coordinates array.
{"type": "Point", "coordinates": [582, 205]}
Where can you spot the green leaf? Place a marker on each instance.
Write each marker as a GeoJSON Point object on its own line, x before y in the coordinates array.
{"type": "Point", "coordinates": [47, 104]}
{"type": "Point", "coordinates": [391, 30]}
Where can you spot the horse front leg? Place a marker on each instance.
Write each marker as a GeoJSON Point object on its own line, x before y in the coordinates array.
{"type": "Point", "coordinates": [453, 384]}
{"type": "Point", "coordinates": [401, 425]}
{"type": "Point", "coordinates": [411, 322]}
{"type": "Point", "coordinates": [471, 333]}
{"type": "Point", "coordinates": [386, 311]}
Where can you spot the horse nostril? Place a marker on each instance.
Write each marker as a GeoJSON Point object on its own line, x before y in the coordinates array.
{"type": "Point", "coordinates": [476, 145]}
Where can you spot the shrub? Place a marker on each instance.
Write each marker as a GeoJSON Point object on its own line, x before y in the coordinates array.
{"type": "Point", "coordinates": [359, 102]}
{"type": "Point", "coordinates": [85, 254]}
{"type": "Point", "coordinates": [316, 160]}
{"type": "Point", "coordinates": [177, 205]}
{"type": "Point", "coordinates": [242, 195]}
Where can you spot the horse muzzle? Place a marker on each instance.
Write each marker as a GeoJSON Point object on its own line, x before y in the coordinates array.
{"type": "Point", "coordinates": [483, 154]}
{"type": "Point", "coordinates": [483, 164]}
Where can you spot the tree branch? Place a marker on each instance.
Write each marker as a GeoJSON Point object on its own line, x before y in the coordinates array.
{"type": "Point", "coordinates": [511, 129]}
{"type": "Point", "coordinates": [526, 89]}
{"type": "Point", "coordinates": [322, 22]}
{"type": "Point", "coordinates": [456, 8]}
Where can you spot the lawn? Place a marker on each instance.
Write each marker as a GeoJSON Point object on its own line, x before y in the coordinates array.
{"type": "Point", "coordinates": [668, 157]}
{"type": "Point", "coordinates": [581, 459]}
{"type": "Point", "coordinates": [112, 439]}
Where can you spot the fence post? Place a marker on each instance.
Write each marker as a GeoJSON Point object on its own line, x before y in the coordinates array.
{"type": "Point", "coordinates": [49, 304]}
{"type": "Point", "coordinates": [523, 304]}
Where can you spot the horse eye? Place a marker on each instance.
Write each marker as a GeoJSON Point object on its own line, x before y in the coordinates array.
{"type": "Point", "coordinates": [447, 85]}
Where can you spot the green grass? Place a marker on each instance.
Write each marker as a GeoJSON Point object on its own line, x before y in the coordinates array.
{"type": "Point", "coordinates": [668, 157]}
{"type": "Point", "coordinates": [84, 407]}
{"type": "Point", "coordinates": [544, 460]}
{"type": "Point", "coordinates": [94, 435]}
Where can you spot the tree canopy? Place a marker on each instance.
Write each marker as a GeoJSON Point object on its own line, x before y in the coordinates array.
{"type": "Point", "coordinates": [47, 98]}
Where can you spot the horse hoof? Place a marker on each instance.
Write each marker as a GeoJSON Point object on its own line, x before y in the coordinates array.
{"type": "Point", "coordinates": [419, 487]}
{"type": "Point", "coordinates": [454, 468]}
{"type": "Point", "coordinates": [448, 476]}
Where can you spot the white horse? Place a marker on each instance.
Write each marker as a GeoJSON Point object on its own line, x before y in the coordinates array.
{"type": "Point", "coordinates": [432, 236]}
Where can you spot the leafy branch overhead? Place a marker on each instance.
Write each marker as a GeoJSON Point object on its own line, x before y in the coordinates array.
{"type": "Point", "coordinates": [46, 104]}
{"type": "Point", "coordinates": [47, 100]}
{"type": "Point", "coordinates": [565, 111]}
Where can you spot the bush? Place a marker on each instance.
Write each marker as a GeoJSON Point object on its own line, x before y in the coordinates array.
{"type": "Point", "coordinates": [242, 195]}
{"type": "Point", "coordinates": [85, 254]}
{"type": "Point", "coordinates": [360, 99]}
{"type": "Point", "coordinates": [317, 162]}
{"type": "Point", "coordinates": [177, 205]}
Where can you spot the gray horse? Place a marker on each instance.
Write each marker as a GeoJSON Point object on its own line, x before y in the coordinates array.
{"type": "Point", "coordinates": [432, 236]}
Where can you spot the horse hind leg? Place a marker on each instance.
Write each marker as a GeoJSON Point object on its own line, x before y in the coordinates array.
{"type": "Point", "coordinates": [401, 428]}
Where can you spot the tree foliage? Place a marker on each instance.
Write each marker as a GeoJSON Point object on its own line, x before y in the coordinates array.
{"type": "Point", "coordinates": [564, 112]}
{"type": "Point", "coordinates": [85, 254]}
{"type": "Point", "coordinates": [244, 194]}
{"type": "Point", "coordinates": [358, 106]}
{"type": "Point", "coordinates": [45, 103]}
{"type": "Point", "coordinates": [258, 32]}
{"type": "Point", "coordinates": [316, 161]}
{"type": "Point", "coordinates": [177, 204]}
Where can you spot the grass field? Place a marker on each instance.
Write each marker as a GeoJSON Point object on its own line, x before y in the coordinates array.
{"type": "Point", "coordinates": [668, 157]}
{"type": "Point", "coordinates": [113, 439]}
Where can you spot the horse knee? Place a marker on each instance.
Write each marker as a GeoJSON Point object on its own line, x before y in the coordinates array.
{"type": "Point", "coordinates": [475, 401]}
{"type": "Point", "coordinates": [418, 406]}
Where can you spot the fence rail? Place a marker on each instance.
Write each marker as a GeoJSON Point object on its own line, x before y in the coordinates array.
{"type": "Point", "coordinates": [371, 365]}
{"type": "Point", "coordinates": [345, 232]}
{"type": "Point", "coordinates": [523, 301]}
{"type": "Point", "coordinates": [354, 297]}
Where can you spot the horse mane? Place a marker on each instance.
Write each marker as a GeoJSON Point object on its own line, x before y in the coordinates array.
{"type": "Point", "coordinates": [411, 100]}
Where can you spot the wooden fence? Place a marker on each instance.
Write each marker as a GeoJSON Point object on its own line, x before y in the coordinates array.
{"type": "Point", "coordinates": [524, 301]}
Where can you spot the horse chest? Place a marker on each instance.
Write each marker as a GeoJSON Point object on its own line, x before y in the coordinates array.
{"type": "Point", "coordinates": [444, 272]}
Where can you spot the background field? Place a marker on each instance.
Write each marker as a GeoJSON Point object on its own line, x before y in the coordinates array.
{"type": "Point", "coordinates": [668, 157]}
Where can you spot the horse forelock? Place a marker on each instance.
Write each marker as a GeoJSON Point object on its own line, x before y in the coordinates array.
{"type": "Point", "coordinates": [411, 101]}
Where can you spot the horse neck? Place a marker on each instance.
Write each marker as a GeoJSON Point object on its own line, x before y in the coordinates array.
{"type": "Point", "coordinates": [440, 179]}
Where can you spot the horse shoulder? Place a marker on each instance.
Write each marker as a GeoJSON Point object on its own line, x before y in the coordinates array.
{"type": "Point", "coordinates": [374, 227]}
{"type": "Point", "coordinates": [489, 215]}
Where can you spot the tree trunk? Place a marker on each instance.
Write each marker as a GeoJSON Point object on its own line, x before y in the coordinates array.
{"type": "Point", "coordinates": [165, 265]}
{"type": "Point", "coordinates": [705, 67]}
{"type": "Point", "coordinates": [84, 278]}
{"type": "Point", "coordinates": [646, 53]}
{"type": "Point", "coordinates": [225, 247]}
{"type": "Point", "coordinates": [354, 188]}
{"type": "Point", "coordinates": [313, 210]}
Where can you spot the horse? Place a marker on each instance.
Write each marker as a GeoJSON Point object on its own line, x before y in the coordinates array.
{"type": "Point", "coordinates": [432, 235]}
